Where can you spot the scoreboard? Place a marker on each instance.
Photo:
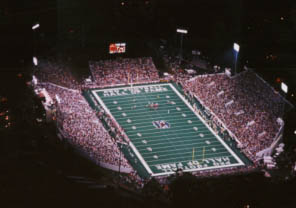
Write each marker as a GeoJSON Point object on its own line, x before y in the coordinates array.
{"type": "Point", "coordinates": [117, 48]}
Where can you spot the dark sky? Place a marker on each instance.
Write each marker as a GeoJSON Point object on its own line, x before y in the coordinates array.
{"type": "Point", "coordinates": [209, 21]}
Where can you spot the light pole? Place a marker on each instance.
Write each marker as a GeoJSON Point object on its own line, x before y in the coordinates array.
{"type": "Point", "coordinates": [34, 28]}
{"type": "Point", "coordinates": [236, 50]}
{"type": "Point", "coordinates": [120, 149]}
{"type": "Point", "coordinates": [181, 31]}
{"type": "Point", "coordinates": [284, 88]}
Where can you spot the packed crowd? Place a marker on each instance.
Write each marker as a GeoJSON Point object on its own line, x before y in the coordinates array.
{"type": "Point", "coordinates": [55, 72]}
{"type": "Point", "coordinates": [245, 104]}
{"type": "Point", "coordinates": [80, 123]}
{"type": "Point", "coordinates": [225, 171]}
{"type": "Point", "coordinates": [123, 71]}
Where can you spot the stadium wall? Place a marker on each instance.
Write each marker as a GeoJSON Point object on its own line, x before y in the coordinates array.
{"type": "Point", "coordinates": [268, 151]}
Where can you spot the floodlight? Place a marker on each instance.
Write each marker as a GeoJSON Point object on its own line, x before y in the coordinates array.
{"type": "Point", "coordinates": [236, 47]}
{"type": "Point", "coordinates": [35, 61]}
{"type": "Point", "coordinates": [35, 26]}
{"type": "Point", "coordinates": [284, 87]}
{"type": "Point", "coordinates": [182, 31]}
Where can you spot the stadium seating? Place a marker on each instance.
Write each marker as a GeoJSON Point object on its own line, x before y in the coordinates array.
{"type": "Point", "coordinates": [245, 104]}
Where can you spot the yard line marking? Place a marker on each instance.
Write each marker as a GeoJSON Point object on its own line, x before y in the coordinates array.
{"type": "Point", "coordinates": [173, 138]}
{"type": "Point", "coordinates": [170, 131]}
{"type": "Point", "coordinates": [187, 148]}
{"type": "Point", "coordinates": [175, 159]}
{"type": "Point", "coordinates": [157, 148]}
{"type": "Point", "coordinates": [190, 127]}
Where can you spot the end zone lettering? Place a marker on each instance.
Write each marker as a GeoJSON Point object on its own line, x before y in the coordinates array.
{"type": "Point", "coordinates": [209, 162]}
{"type": "Point", "coordinates": [134, 90]}
{"type": "Point", "coordinates": [114, 92]}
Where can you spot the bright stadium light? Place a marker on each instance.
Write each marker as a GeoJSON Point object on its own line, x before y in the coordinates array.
{"type": "Point", "coordinates": [35, 26]}
{"type": "Point", "coordinates": [236, 47]}
{"type": "Point", "coordinates": [182, 31]}
{"type": "Point", "coordinates": [35, 61]}
{"type": "Point", "coordinates": [284, 87]}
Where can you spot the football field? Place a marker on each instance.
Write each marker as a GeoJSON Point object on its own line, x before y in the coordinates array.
{"type": "Point", "coordinates": [166, 137]}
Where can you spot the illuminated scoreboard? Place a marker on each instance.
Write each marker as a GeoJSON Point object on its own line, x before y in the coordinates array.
{"type": "Point", "coordinates": [117, 48]}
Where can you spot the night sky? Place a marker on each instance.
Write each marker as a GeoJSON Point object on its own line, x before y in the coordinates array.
{"type": "Point", "coordinates": [213, 25]}
{"type": "Point", "coordinates": [263, 28]}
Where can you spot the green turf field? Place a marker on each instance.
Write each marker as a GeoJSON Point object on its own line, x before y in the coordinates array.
{"type": "Point", "coordinates": [170, 137]}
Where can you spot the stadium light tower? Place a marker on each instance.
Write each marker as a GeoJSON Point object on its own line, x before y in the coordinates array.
{"type": "Point", "coordinates": [182, 32]}
{"type": "Point", "coordinates": [236, 50]}
{"type": "Point", "coordinates": [35, 31]}
{"type": "Point", "coordinates": [284, 88]}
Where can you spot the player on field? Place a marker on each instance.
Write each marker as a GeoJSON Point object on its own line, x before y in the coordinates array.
{"type": "Point", "coordinates": [152, 106]}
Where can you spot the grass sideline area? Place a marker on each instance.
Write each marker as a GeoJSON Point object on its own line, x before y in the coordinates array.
{"type": "Point", "coordinates": [167, 138]}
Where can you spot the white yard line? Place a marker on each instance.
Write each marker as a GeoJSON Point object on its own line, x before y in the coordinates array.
{"type": "Point", "coordinates": [141, 115]}
{"type": "Point", "coordinates": [197, 155]}
{"type": "Point", "coordinates": [217, 136]}
{"type": "Point", "coordinates": [171, 123]}
{"type": "Point", "coordinates": [171, 131]}
{"type": "Point", "coordinates": [185, 148]}
{"type": "Point", "coordinates": [94, 92]}
{"type": "Point", "coordinates": [140, 143]}
{"type": "Point", "coordinates": [130, 143]}
{"type": "Point", "coordinates": [127, 111]}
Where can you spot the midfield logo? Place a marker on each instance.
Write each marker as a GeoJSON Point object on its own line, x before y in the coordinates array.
{"type": "Point", "coordinates": [161, 124]}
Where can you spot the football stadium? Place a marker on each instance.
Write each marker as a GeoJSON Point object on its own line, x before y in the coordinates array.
{"type": "Point", "coordinates": [148, 103]}
{"type": "Point", "coordinates": [127, 118]}
{"type": "Point", "coordinates": [168, 137]}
